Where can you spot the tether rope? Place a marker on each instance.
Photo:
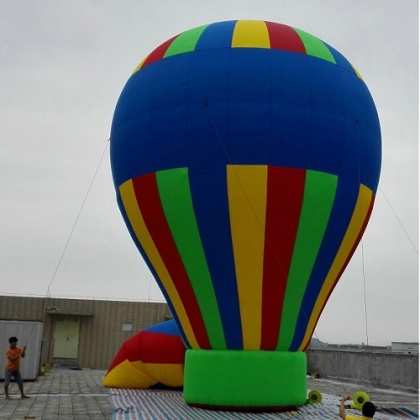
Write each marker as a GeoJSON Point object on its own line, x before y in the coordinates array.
{"type": "Point", "coordinates": [399, 221]}
{"type": "Point", "coordinates": [46, 296]}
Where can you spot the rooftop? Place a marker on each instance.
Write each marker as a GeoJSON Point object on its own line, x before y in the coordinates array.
{"type": "Point", "coordinates": [65, 394]}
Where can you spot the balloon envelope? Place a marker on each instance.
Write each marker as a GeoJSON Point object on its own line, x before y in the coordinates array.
{"type": "Point", "coordinates": [246, 158]}
{"type": "Point", "coordinates": [152, 357]}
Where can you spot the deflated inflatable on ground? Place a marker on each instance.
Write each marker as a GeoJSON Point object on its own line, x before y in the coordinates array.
{"type": "Point", "coordinates": [152, 357]}
{"type": "Point", "coordinates": [246, 157]}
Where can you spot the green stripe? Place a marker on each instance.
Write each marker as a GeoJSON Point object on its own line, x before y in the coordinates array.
{"type": "Point", "coordinates": [317, 203]}
{"type": "Point", "coordinates": [185, 42]}
{"type": "Point", "coordinates": [315, 47]}
{"type": "Point", "coordinates": [174, 191]}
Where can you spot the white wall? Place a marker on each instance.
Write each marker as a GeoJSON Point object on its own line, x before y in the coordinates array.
{"type": "Point", "coordinates": [29, 334]}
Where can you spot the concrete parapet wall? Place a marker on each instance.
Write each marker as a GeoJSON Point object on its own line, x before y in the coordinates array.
{"type": "Point", "coordinates": [379, 369]}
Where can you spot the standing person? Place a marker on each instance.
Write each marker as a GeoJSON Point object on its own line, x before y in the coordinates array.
{"type": "Point", "coordinates": [368, 410]}
{"type": "Point", "coordinates": [13, 354]}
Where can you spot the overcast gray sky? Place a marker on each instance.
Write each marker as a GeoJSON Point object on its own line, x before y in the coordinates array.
{"type": "Point", "coordinates": [63, 66]}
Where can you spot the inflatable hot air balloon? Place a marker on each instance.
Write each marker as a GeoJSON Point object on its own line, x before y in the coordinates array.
{"type": "Point", "coordinates": [153, 357]}
{"type": "Point", "coordinates": [246, 158]}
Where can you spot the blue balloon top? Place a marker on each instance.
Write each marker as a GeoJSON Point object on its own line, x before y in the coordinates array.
{"type": "Point", "coordinates": [246, 92]}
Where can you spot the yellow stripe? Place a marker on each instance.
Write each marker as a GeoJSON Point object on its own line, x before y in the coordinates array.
{"type": "Point", "coordinates": [250, 33]}
{"type": "Point", "coordinates": [140, 65]}
{"type": "Point", "coordinates": [357, 73]}
{"type": "Point", "coordinates": [129, 375]}
{"type": "Point", "coordinates": [247, 186]}
{"type": "Point", "coordinates": [170, 374]}
{"type": "Point", "coordinates": [139, 227]}
{"type": "Point", "coordinates": [353, 230]}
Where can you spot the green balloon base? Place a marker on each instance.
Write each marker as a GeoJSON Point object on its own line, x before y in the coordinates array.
{"type": "Point", "coordinates": [253, 380]}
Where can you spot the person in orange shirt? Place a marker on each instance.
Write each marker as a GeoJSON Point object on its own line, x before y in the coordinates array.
{"type": "Point", "coordinates": [13, 354]}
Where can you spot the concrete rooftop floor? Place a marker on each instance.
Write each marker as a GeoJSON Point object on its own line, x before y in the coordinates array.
{"type": "Point", "coordinates": [67, 394]}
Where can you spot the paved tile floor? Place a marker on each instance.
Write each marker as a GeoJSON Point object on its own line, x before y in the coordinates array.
{"type": "Point", "coordinates": [66, 394]}
{"type": "Point", "coordinates": [63, 394]}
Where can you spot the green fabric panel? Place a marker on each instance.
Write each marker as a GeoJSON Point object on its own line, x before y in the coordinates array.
{"type": "Point", "coordinates": [185, 42]}
{"type": "Point", "coordinates": [314, 46]}
{"type": "Point", "coordinates": [174, 190]}
{"type": "Point", "coordinates": [234, 378]}
{"type": "Point", "coordinates": [317, 203]}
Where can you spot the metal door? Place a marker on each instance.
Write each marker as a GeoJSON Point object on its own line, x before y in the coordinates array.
{"type": "Point", "coordinates": [66, 339]}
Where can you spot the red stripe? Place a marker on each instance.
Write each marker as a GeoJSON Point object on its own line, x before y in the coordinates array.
{"type": "Point", "coordinates": [149, 203]}
{"type": "Point", "coordinates": [359, 237]}
{"type": "Point", "coordinates": [285, 188]}
{"type": "Point", "coordinates": [158, 53]}
{"type": "Point", "coordinates": [129, 350]}
{"type": "Point", "coordinates": [283, 37]}
{"type": "Point", "coordinates": [119, 358]}
{"type": "Point", "coordinates": [161, 348]}
{"type": "Point", "coordinates": [151, 347]}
